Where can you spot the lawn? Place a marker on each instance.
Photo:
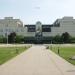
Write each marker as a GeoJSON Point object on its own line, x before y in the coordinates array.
{"type": "Point", "coordinates": [6, 53]}
{"type": "Point", "coordinates": [65, 52]}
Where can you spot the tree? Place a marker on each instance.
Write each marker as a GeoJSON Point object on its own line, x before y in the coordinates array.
{"type": "Point", "coordinates": [56, 39]}
{"type": "Point", "coordinates": [1, 39]}
{"type": "Point", "coordinates": [65, 37]}
{"type": "Point", "coordinates": [11, 37]}
{"type": "Point", "coordinates": [19, 39]}
{"type": "Point", "coordinates": [72, 40]}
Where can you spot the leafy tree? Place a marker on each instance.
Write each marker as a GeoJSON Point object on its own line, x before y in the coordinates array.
{"type": "Point", "coordinates": [72, 40]}
{"type": "Point", "coordinates": [19, 39]}
{"type": "Point", "coordinates": [57, 39]}
{"type": "Point", "coordinates": [65, 37]}
{"type": "Point", "coordinates": [1, 39]}
{"type": "Point", "coordinates": [4, 40]}
{"type": "Point", "coordinates": [11, 37]}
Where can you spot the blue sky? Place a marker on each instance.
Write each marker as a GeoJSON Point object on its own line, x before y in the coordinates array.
{"type": "Point", "coordinates": [30, 11]}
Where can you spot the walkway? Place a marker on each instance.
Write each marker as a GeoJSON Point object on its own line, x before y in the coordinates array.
{"type": "Point", "coordinates": [37, 61]}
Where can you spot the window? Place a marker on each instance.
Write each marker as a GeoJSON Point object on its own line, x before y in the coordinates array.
{"type": "Point", "coordinates": [31, 28]}
{"type": "Point", "coordinates": [1, 30]}
{"type": "Point", "coordinates": [57, 25]}
{"type": "Point", "coordinates": [46, 28]}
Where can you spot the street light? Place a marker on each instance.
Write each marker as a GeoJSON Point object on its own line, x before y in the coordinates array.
{"type": "Point", "coordinates": [7, 36]}
{"type": "Point", "coordinates": [7, 33]}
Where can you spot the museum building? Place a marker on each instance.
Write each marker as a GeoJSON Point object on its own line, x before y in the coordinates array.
{"type": "Point", "coordinates": [37, 32]}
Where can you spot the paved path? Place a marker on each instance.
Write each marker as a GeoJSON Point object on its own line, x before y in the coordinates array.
{"type": "Point", "coordinates": [37, 61]}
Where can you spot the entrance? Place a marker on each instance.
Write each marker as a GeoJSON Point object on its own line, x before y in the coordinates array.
{"type": "Point", "coordinates": [38, 37]}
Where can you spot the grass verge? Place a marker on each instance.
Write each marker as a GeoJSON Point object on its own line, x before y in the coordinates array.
{"type": "Point", "coordinates": [65, 52]}
{"type": "Point", "coordinates": [6, 53]}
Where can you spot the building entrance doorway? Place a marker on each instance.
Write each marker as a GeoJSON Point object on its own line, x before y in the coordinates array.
{"type": "Point", "coordinates": [38, 37]}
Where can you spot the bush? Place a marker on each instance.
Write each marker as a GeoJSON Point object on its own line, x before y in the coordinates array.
{"type": "Point", "coordinates": [11, 37]}
{"type": "Point", "coordinates": [3, 39]}
{"type": "Point", "coordinates": [65, 37]}
{"type": "Point", "coordinates": [19, 39]}
{"type": "Point", "coordinates": [57, 39]}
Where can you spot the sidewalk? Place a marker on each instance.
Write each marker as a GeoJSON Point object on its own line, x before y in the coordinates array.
{"type": "Point", "coordinates": [37, 61]}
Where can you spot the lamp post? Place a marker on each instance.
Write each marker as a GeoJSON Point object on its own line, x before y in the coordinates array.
{"type": "Point", "coordinates": [58, 49]}
{"type": "Point", "coordinates": [7, 36]}
{"type": "Point", "coordinates": [7, 33]}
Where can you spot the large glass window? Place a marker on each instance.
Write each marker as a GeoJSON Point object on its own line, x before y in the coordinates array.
{"type": "Point", "coordinates": [31, 28]}
{"type": "Point", "coordinates": [46, 28]}
{"type": "Point", "coordinates": [57, 25]}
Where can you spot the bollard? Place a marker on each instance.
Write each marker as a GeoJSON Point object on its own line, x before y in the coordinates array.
{"type": "Point", "coordinates": [58, 51]}
{"type": "Point", "coordinates": [47, 47]}
{"type": "Point", "coordinates": [17, 51]}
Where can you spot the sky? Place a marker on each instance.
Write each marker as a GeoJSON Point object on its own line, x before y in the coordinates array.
{"type": "Point", "coordinates": [31, 11]}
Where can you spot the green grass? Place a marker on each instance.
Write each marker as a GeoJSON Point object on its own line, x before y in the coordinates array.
{"type": "Point", "coordinates": [65, 52]}
{"type": "Point", "coordinates": [7, 53]}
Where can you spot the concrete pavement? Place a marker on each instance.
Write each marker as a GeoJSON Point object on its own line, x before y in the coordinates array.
{"type": "Point", "coordinates": [37, 61]}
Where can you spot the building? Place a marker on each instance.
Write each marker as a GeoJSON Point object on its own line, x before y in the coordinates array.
{"type": "Point", "coordinates": [66, 24]}
{"type": "Point", "coordinates": [37, 32]}
{"type": "Point", "coordinates": [9, 25]}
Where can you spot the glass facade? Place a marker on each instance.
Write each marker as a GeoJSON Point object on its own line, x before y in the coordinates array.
{"type": "Point", "coordinates": [31, 28]}
{"type": "Point", "coordinates": [46, 28]}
